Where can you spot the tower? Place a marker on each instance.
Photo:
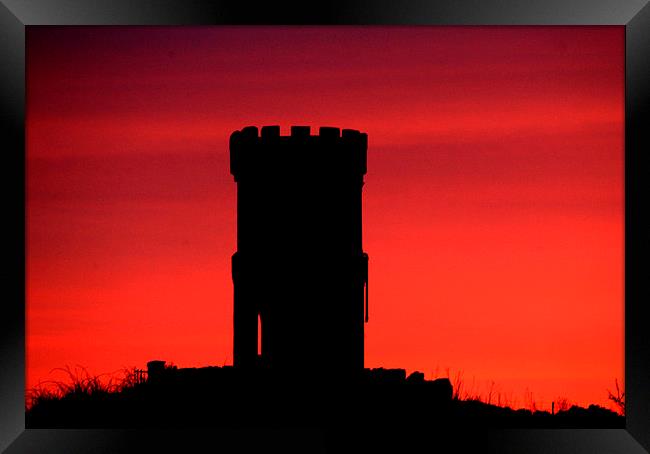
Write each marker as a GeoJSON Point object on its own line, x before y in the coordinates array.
{"type": "Point", "coordinates": [300, 274]}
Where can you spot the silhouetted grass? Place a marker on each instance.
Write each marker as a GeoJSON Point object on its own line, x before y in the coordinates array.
{"type": "Point", "coordinates": [463, 392]}
{"type": "Point", "coordinates": [79, 385]}
{"type": "Point", "coordinates": [618, 398]}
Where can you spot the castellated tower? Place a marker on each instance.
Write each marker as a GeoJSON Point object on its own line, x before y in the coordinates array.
{"type": "Point", "coordinates": [300, 274]}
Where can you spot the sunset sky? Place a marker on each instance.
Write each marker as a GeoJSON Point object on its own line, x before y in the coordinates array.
{"type": "Point", "coordinates": [493, 203]}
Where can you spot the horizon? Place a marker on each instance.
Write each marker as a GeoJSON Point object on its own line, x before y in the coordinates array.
{"type": "Point", "coordinates": [498, 149]}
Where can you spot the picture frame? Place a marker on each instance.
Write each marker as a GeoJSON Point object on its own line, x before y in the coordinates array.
{"type": "Point", "coordinates": [15, 15]}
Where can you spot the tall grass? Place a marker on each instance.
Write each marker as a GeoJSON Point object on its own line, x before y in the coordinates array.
{"type": "Point", "coordinates": [618, 398]}
{"type": "Point", "coordinates": [80, 383]}
{"type": "Point", "coordinates": [469, 391]}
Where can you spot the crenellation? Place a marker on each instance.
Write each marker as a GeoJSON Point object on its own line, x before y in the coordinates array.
{"type": "Point", "coordinates": [300, 131]}
{"type": "Point", "coordinates": [350, 134]}
{"type": "Point", "coordinates": [248, 148]}
{"type": "Point", "coordinates": [329, 133]}
{"type": "Point", "coordinates": [249, 132]}
{"type": "Point", "coordinates": [270, 132]}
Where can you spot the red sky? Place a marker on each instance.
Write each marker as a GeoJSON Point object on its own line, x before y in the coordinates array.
{"type": "Point", "coordinates": [493, 203]}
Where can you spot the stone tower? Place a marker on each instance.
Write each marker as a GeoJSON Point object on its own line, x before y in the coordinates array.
{"type": "Point", "coordinates": [300, 274]}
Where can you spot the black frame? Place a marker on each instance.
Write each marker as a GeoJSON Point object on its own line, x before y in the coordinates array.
{"type": "Point", "coordinates": [16, 14]}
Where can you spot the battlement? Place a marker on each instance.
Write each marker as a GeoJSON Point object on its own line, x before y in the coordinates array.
{"type": "Point", "coordinates": [343, 149]}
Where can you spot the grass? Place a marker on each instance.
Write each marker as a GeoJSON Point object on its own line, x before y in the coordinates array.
{"type": "Point", "coordinates": [492, 396]}
{"type": "Point", "coordinates": [80, 384]}
{"type": "Point", "coordinates": [618, 398]}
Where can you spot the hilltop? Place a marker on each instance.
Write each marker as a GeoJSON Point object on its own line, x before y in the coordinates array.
{"type": "Point", "coordinates": [194, 397]}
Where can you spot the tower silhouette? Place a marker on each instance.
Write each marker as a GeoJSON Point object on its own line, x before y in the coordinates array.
{"type": "Point", "coordinates": [300, 274]}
